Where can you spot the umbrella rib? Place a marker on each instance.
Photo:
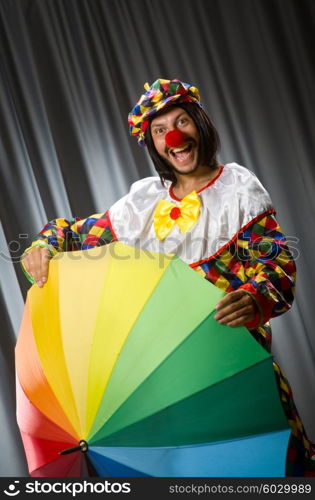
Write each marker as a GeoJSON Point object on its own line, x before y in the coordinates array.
{"type": "Point", "coordinates": [181, 400]}
{"type": "Point", "coordinates": [162, 361]}
{"type": "Point", "coordinates": [131, 328]}
{"type": "Point", "coordinates": [73, 436]}
{"type": "Point", "coordinates": [171, 353]}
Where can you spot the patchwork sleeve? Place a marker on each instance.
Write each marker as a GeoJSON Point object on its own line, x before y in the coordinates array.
{"type": "Point", "coordinates": [269, 269]}
{"type": "Point", "coordinates": [61, 235]}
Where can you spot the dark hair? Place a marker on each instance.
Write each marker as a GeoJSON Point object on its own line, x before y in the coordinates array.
{"type": "Point", "coordinates": [208, 147]}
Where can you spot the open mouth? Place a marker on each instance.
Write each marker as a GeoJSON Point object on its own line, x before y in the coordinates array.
{"type": "Point", "coordinates": [182, 153]}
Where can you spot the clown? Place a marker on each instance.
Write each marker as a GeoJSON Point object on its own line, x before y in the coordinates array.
{"type": "Point", "coordinates": [219, 219]}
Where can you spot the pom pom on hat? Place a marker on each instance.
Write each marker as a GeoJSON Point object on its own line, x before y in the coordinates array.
{"type": "Point", "coordinates": [160, 94]}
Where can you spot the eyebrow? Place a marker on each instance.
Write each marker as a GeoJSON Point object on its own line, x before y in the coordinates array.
{"type": "Point", "coordinates": [161, 124]}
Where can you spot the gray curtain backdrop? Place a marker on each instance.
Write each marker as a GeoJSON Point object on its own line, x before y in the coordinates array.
{"type": "Point", "coordinates": [71, 70]}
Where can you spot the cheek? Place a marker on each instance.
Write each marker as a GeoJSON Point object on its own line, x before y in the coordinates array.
{"type": "Point", "coordinates": [159, 144]}
{"type": "Point", "coordinates": [193, 132]}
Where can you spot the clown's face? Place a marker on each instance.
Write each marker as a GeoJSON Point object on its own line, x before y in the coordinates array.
{"type": "Point", "coordinates": [183, 159]}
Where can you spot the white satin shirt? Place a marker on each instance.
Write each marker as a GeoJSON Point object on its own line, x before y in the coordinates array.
{"type": "Point", "coordinates": [228, 205]}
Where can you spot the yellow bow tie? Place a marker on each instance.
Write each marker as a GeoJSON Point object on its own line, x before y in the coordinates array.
{"type": "Point", "coordinates": [167, 214]}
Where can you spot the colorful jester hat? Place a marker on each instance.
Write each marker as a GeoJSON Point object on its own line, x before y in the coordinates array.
{"type": "Point", "coordinates": [162, 93]}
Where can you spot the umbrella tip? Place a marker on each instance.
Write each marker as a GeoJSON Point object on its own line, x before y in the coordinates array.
{"type": "Point", "coordinates": [83, 446]}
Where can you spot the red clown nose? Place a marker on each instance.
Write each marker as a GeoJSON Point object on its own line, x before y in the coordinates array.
{"type": "Point", "coordinates": [174, 138]}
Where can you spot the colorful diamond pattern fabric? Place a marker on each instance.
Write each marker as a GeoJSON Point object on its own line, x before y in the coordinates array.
{"type": "Point", "coordinates": [162, 93]}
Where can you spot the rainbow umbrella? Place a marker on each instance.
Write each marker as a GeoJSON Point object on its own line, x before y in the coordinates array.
{"type": "Point", "coordinates": [122, 371]}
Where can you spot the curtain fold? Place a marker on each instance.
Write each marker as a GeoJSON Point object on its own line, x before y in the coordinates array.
{"type": "Point", "coordinates": [71, 70]}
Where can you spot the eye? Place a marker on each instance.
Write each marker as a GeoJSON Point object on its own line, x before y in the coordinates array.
{"type": "Point", "coordinates": [159, 131]}
{"type": "Point", "coordinates": [182, 121]}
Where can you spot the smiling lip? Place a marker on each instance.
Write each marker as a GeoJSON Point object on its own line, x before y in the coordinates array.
{"type": "Point", "coordinates": [182, 153]}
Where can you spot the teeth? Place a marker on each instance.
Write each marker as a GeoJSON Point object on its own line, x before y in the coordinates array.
{"type": "Point", "coordinates": [178, 150]}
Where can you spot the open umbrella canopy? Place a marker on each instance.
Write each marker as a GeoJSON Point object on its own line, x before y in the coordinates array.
{"type": "Point", "coordinates": [122, 371]}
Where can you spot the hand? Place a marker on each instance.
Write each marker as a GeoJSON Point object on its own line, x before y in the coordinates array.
{"type": "Point", "coordinates": [236, 309]}
{"type": "Point", "coordinates": [36, 263]}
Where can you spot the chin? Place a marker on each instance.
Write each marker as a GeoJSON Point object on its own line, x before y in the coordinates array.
{"type": "Point", "coordinates": [185, 170]}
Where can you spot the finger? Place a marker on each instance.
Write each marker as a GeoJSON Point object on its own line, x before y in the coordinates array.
{"type": "Point", "coordinates": [247, 311]}
{"type": "Point", "coordinates": [30, 265]}
{"type": "Point", "coordinates": [245, 300]}
{"type": "Point", "coordinates": [35, 265]}
{"type": "Point", "coordinates": [45, 258]}
{"type": "Point", "coordinates": [230, 298]}
{"type": "Point", "coordinates": [241, 321]}
{"type": "Point", "coordinates": [41, 266]}
{"type": "Point", "coordinates": [25, 261]}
